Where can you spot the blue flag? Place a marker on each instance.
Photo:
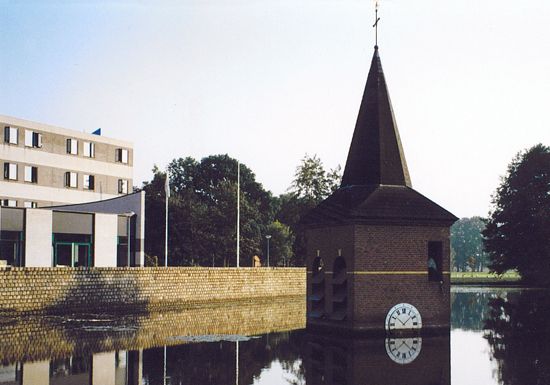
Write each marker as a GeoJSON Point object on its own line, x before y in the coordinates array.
{"type": "Point", "coordinates": [97, 132]}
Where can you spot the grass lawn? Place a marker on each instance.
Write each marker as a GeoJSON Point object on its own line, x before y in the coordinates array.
{"type": "Point", "coordinates": [484, 277]}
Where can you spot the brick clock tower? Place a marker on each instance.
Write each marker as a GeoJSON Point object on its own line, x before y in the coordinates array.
{"type": "Point", "coordinates": [377, 250]}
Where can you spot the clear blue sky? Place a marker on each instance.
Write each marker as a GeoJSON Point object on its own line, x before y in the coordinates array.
{"type": "Point", "coordinates": [268, 81]}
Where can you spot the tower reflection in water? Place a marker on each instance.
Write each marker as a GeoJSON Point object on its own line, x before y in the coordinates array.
{"type": "Point", "coordinates": [388, 361]}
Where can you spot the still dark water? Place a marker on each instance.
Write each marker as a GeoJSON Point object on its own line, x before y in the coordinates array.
{"type": "Point", "coordinates": [498, 336]}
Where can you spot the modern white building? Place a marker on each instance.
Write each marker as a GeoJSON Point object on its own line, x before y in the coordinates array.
{"type": "Point", "coordinates": [106, 233]}
{"type": "Point", "coordinates": [45, 165]}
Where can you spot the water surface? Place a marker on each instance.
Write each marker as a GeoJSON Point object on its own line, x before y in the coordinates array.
{"type": "Point", "coordinates": [498, 336]}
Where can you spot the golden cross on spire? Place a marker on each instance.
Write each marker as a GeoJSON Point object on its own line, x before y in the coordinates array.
{"type": "Point", "coordinates": [375, 25]}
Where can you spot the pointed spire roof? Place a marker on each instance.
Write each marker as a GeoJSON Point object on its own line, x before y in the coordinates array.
{"type": "Point", "coordinates": [376, 187]}
{"type": "Point", "coordinates": [376, 155]}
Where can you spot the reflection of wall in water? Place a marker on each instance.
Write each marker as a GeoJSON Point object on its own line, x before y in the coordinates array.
{"type": "Point", "coordinates": [109, 368]}
{"type": "Point", "coordinates": [39, 338]}
{"type": "Point", "coordinates": [361, 361]}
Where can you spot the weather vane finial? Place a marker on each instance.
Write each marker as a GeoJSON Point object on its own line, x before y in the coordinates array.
{"type": "Point", "coordinates": [375, 25]}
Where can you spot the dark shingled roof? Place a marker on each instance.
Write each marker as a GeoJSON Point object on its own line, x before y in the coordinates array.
{"type": "Point", "coordinates": [376, 155]}
{"type": "Point", "coordinates": [375, 204]}
{"type": "Point", "coordinates": [376, 187]}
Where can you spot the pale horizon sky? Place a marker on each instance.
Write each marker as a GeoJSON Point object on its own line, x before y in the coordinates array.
{"type": "Point", "coordinates": [269, 81]}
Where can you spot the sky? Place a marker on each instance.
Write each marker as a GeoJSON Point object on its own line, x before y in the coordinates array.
{"type": "Point", "coordinates": [268, 81]}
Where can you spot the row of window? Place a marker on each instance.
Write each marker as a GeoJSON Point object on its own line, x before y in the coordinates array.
{"type": "Point", "coordinates": [34, 139]}
{"type": "Point", "coordinates": [70, 179]}
{"type": "Point", "coordinates": [31, 172]}
{"type": "Point", "coordinates": [88, 148]}
{"type": "Point", "coordinates": [13, 203]}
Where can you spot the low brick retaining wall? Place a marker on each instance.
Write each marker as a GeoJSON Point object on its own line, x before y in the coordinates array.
{"type": "Point", "coordinates": [62, 290]}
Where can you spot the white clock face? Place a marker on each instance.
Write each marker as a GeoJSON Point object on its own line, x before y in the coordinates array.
{"type": "Point", "coordinates": [403, 316]}
{"type": "Point", "coordinates": [403, 350]}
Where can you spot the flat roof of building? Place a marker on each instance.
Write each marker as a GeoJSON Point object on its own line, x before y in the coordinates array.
{"type": "Point", "coordinates": [17, 122]}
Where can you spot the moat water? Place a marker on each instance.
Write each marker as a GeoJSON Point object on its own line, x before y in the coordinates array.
{"type": "Point", "coordinates": [498, 336]}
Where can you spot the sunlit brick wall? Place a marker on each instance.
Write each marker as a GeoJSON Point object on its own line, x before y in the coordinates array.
{"type": "Point", "coordinates": [58, 290]}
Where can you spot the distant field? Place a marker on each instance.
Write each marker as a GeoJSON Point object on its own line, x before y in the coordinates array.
{"type": "Point", "coordinates": [483, 277]}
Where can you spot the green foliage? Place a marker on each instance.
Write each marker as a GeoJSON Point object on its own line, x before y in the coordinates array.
{"type": "Point", "coordinates": [312, 181]}
{"type": "Point", "coordinates": [203, 209]}
{"type": "Point", "coordinates": [202, 212]}
{"type": "Point", "coordinates": [467, 244]}
{"type": "Point", "coordinates": [280, 244]}
{"type": "Point", "coordinates": [518, 229]}
{"type": "Point", "coordinates": [311, 184]}
{"type": "Point", "coordinates": [518, 332]}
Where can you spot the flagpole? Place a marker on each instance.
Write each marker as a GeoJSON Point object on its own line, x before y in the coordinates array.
{"type": "Point", "coordinates": [238, 212]}
{"type": "Point", "coordinates": [167, 196]}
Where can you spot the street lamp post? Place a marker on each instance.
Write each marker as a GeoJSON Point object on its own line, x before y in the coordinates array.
{"type": "Point", "coordinates": [267, 237]}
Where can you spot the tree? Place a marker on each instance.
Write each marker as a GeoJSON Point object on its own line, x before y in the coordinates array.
{"type": "Point", "coordinates": [311, 184]}
{"type": "Point", "coordinates": [280, 244]}
{"type": "Point", "coordinates": [467, 244]}
{"type": "Point", "coordinates": [203, 210]}
{"type": "Point", "coordinates": [518, 229]}
{"type": "Point", "coordinates": [312, 181]}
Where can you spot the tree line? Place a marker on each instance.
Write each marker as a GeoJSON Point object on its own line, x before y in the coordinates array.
{"type": "Point", "coordinates": [202, 216]}
{"type": "Point", "coordinates": [203, 209]}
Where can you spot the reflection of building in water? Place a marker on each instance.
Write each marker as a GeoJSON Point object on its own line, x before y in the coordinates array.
{"type": "Point", "coordinates": [109, 368]}
{"type": "Point", "coordinates": [363, 362]}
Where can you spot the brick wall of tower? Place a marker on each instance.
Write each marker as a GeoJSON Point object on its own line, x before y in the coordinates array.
{"type": "Point", "coordinates": [403, 252]}
{"type": "Point", "coordinates": [386, 265]}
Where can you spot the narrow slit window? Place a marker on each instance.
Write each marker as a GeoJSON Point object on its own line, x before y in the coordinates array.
{"type": "Point", "coordinates": [123, 186]}
{"type": "Point", "coordinates": [435, 261]}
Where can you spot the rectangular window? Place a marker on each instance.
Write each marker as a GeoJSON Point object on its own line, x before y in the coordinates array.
{"type": "Point", "coordinates": [33, 139]}
{"type": "Point", "coordinates": [122, 155]}
{"type": "Point", "coordinates": [10, 171]}
{"type": "Point", "coordinates": [72, 146]}
{"type": "Point", "coordinates": [123, 186]}
{"type": "Point", "coordinates": [435, 261]}
{"type": "Point", "coordinates": [31, 174]}
{"type": "Point", "coordinates": [89, 149]}
{"type": "Point", "coordinates": [89, 182]}
{"type": "Point", "coordinates": [71, 179]}
{"type": "Point", "coordinates": [28, 138]}
{"type": "Point", "coordinates": [9, 202]}
{"type": "Point", "coordinates": [10, 135]}
{"type": "Point", "coordinates": [31, 205]}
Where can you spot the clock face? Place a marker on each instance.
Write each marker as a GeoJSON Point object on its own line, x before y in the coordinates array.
{"type": "Point", "coordinates": [402, 317]}
{"type": "Point", "coordinates": [403, 350]}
